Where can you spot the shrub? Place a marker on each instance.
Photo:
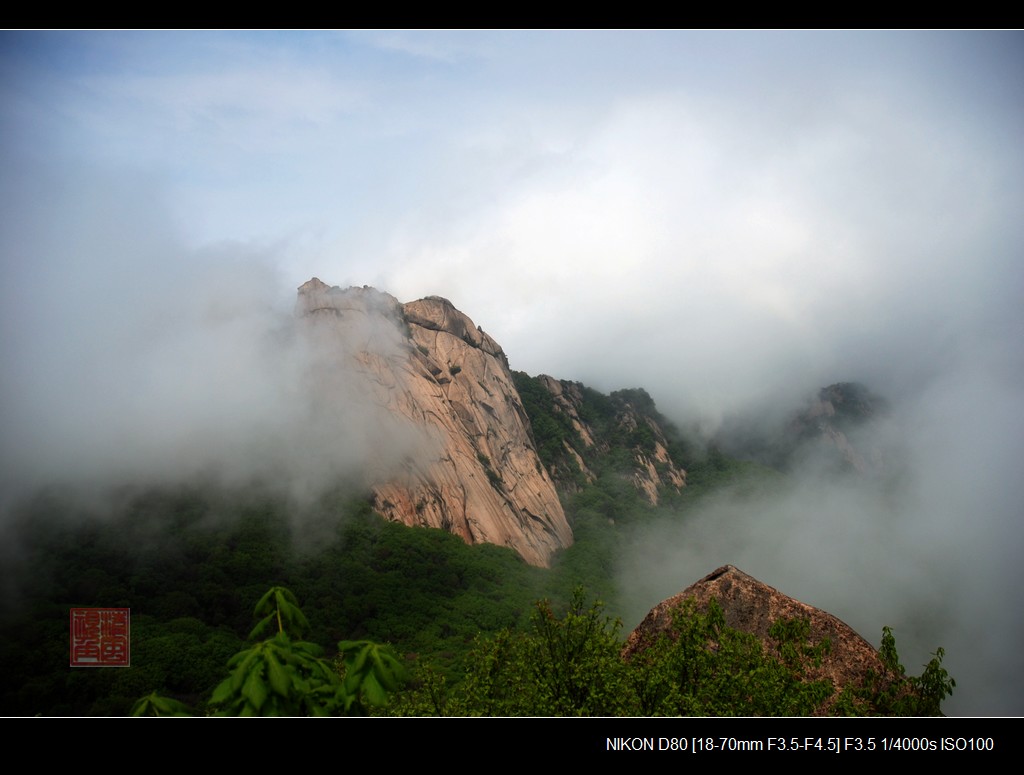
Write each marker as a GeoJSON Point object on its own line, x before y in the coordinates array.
{"type": "Point", "coordinates": [284, 676]}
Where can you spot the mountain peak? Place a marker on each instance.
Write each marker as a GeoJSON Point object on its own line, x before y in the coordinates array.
{"type": "Point", "coordinates": [436, 313]}
{"type": "Point", "coordinates": [445, 381]}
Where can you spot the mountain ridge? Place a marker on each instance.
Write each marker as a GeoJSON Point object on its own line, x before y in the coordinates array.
{"type": "Point", "coordinates": [493, 455]}
{"type": "Point", "coordinates": [483, 469]}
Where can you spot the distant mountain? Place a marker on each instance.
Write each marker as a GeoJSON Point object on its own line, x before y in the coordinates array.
{"type": "Point", "coordinates": [832, 421]}
{"type": "Point", "coordinates": [825, 431]}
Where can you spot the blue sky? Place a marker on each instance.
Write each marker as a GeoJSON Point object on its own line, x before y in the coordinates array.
{"type": "Point", "coordinates": [728, 219]}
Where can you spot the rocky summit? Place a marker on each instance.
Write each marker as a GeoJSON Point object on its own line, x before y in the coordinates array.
{"type": "Point", "coordinates": [439, 377]}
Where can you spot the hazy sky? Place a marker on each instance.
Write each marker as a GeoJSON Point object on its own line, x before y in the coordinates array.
{"type": "Point", "coordinates": [722, 218]}
{"type": "Point", "coordinates": [722, 212]}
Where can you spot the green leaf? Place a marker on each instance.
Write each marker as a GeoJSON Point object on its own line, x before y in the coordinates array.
{"type": "Point", "coordinates": [223, 691]}
{"type": "Point", "coordinates": [279, 680]}
{"type": "Point", "coordinates": [263, 625]}
{"type": "Point", "coordinates": [156, 705]}
{"type": "Point", "coordinates": [375, 693]}
{"type": "Point", "coordinates": [255, 691]}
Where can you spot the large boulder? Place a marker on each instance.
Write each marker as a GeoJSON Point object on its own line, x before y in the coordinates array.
{"type": "Point", "coordinates": [752, 606]}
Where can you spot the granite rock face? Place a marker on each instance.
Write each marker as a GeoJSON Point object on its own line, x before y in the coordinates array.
{"type": "Point", "coordinates": [434, 377]}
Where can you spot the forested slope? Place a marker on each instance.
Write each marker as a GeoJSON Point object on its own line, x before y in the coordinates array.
{"type": "Point", "coordinates": [191, 560]}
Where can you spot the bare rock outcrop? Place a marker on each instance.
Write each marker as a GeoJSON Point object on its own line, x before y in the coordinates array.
{"type": "Point", "coordinates": [431, 371]}
{"type": "Point", "coordinates": [752, 606]}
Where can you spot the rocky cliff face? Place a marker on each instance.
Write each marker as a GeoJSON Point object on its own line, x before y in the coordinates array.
{"type": "Point", "coordinates": [752, 606]}
{"type": "Point", "coordinates": [430, 372]}
{"type": "Point", "coordinates": [579, 429]}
